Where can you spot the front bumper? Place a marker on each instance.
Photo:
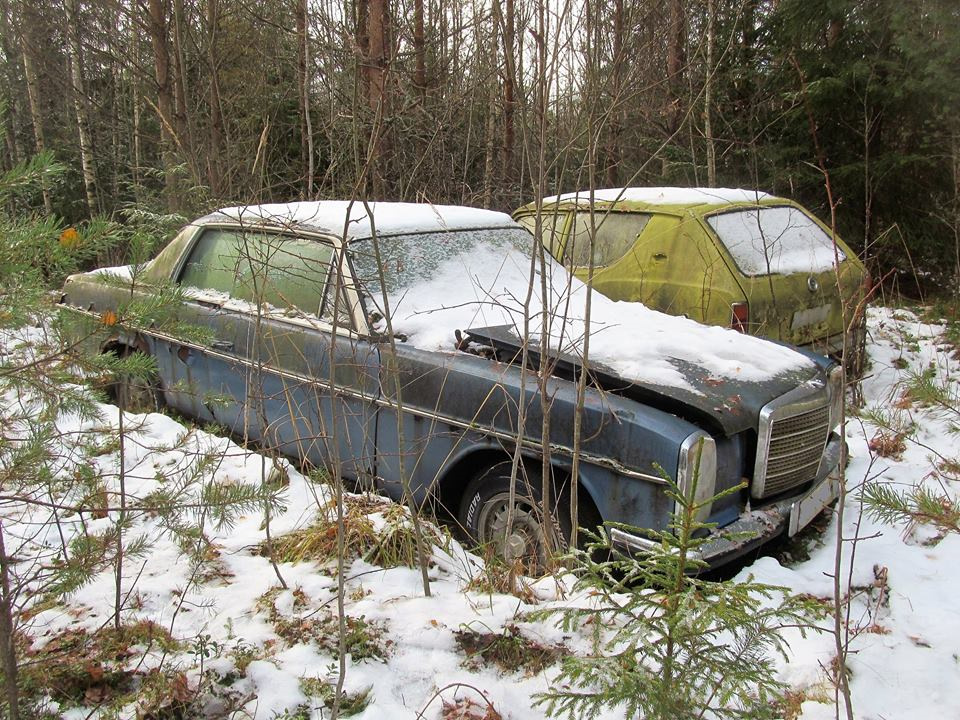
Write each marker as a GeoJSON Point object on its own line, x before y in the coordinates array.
{"type": "Point", "coordinates": [756, 527]}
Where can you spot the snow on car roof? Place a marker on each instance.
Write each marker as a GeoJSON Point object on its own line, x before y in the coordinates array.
{"type": "Point", "coordinates": [389, 218]}
{"type": "Point", "coordinates": [665, 196]}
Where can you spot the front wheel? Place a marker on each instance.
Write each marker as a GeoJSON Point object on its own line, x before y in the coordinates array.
{"type": "Point", "coordinates": [484, 515]}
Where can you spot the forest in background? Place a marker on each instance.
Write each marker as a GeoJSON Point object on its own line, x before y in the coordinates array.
{"type": "Point", "coordinates": [185, 105]}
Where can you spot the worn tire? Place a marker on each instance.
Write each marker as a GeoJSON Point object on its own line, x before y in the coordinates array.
{"type": "Point", "coordinates": [483, 516]}
{"type": "Point", "coordinates": [133, 394]}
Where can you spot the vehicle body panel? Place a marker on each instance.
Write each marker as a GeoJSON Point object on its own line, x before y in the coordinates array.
{"type": "Point", "coordinates": [679, 265]}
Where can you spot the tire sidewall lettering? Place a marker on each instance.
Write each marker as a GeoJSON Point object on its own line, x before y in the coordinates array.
{"type": "Point", "coordinates": [471, 518]}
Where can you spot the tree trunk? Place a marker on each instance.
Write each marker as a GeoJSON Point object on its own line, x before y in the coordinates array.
{"type": "Point", "coordinates": [419, 48]}
{"type": "Point", "coordinates": [135, 103]}
{"type": "Point", "coordinates": [509, 73]}
{"type": "Point", "coordinates": [363, 42]}
{"type": "Point", "coordinates": [303, 82]}
{"type": "Point", "coordinates": [33, 94]}
{"type": "Point", "coordinates": [116, 104]}
{"type": "Point", "coordinates": [616, 92]}
{"type": "Point", "coordinates": [708, 101]}
{"type": "Point", "coordinates": [675, 63]}
{"type": "Point", "coordinates": [13, 113]}
{"type": "Point", "coordinates": [161, 57]}
{"type": "Point", "coordinates": [378, 97]}
{"type": "Point", "coordinates": [78, 90]}
{"type": "Point", "coordinates": [489, 149]}
{"type": "Point", "coordinates": [377, 52]}
{"type": "Point", "coordinates": [216, 117]}
{"type": "Point", "coordinates": [7, 642]}
{"type": "Point", "coordinates": [834, 31]}
{"type": "Point", "coordinates": [182, 116]}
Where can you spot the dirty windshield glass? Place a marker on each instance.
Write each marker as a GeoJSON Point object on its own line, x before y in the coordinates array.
{"type": "Point", "coordinates": [775, 240]}
{"type": "Point", "coordinates": [409, 260]}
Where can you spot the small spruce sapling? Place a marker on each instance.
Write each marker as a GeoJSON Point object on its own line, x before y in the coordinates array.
{"type": "Point", "coordinates": [668, 644]}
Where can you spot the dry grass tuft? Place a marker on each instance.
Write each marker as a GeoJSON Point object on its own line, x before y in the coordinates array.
{"type": "Point", "coordinates": [375, 529]}
{"type": "Point", "coordinates": [888, 444]}
{"type": "Point", "coordinates": [509, 650]}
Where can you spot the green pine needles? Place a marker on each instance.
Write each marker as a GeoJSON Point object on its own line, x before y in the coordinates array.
{"type": "Point", "coordinates": [102, 515]}
{"type": "Point", "coordinates": [666, 643]}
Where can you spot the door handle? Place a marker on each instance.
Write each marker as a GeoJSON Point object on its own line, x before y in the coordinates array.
{"type": "Point", "coordinates": [222, 345]}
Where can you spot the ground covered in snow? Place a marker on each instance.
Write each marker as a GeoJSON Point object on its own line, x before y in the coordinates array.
{"type": "Point", "coordinates": [213, 632]}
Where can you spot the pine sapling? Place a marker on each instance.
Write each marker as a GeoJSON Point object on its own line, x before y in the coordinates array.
{"type": "Point", "coordinates": [668, 644]}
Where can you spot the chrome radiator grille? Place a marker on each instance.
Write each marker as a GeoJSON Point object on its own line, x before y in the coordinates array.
{"type": "Point", "coordinates": [790, 444]}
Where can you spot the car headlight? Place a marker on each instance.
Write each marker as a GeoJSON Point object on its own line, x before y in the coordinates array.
{"type": "Point", "coordinates": [697, 472]}
{"type": "Point", "coordinates": [837, 392]}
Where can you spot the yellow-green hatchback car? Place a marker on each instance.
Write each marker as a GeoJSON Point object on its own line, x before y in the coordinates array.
{"type": "Point", "coordinates": [760, 264]}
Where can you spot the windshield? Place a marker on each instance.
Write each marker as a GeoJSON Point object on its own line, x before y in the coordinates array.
{"type": "Point", "coordinates": [409, 260]}
{"type": "Point", "coordinates": [775, 240]}
{"type": "Point", "coordinates": [472, 278]}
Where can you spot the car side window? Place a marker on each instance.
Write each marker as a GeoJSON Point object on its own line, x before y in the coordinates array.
{"type": "Point", "coordinates": [551, 230]}
{"type": "Point", "coordinates": [616, 233]}
{"type": "Point", "coordinates": [278, 271]}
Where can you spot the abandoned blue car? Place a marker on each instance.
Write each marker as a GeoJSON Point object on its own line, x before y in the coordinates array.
{"type": "Point", "coordinates": [421, 348]}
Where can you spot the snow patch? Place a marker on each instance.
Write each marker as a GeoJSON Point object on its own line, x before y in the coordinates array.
{"type": "Point", "coordinates": [663, 196]}
{"type": "Point", "coordinates": [338, 217]}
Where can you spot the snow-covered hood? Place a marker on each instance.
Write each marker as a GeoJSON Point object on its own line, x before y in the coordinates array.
{"type": "Point", "coordinates": [725, 374]}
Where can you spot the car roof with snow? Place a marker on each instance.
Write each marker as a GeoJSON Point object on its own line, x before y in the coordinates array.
{"type": "Point", "coordinates": [352, 220]}
{"type": "Point", "coordinates": [660, 199]}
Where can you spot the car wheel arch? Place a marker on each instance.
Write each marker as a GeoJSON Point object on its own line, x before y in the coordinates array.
{"type": "Point", "coordinates": [122, 347]}
{"type": "Point", "coordinates": [474, 462]}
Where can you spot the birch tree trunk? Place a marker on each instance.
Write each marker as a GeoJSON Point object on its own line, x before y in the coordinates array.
{"type": "Point", "coordinates": [78, 90]}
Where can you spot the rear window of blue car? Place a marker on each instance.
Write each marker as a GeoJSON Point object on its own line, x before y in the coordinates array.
{"type": "Point", "coordinates": [267, 269]}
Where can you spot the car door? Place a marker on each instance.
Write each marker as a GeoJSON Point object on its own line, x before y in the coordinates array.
{"type": "Point", "coordinates": [291, 372]}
